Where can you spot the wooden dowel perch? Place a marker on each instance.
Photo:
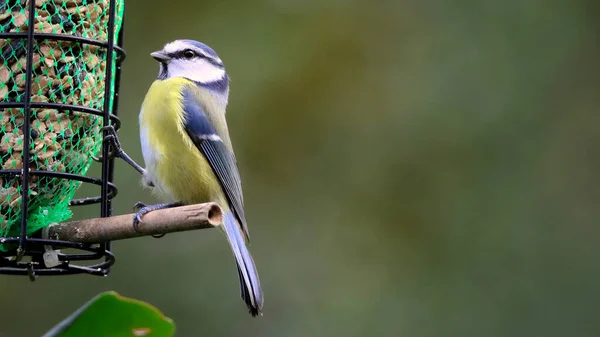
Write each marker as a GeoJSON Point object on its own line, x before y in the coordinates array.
{"type": "Point", "coordinates": [120, 227]}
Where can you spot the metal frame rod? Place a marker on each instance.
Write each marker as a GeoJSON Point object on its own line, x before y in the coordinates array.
{"type": "Point", "coordinates": [26, 127]}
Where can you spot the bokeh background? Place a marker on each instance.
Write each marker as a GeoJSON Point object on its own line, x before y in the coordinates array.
{"type": "Point", "coordinates": [410, 168]}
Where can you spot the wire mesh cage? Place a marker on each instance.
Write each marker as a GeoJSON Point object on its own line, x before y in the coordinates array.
{"type": "Point", "coordinates": [59, 85]}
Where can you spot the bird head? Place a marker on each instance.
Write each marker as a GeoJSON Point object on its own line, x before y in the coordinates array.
{"type": "Point", "coordinates": [192, 60]}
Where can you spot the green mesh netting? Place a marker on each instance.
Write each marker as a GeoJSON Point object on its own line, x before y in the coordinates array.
{"type": "Point", "coordinates": [63, 72]}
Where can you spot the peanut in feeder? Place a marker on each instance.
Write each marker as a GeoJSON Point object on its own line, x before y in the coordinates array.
{"type": "Point", "coordinates": [66, 73]}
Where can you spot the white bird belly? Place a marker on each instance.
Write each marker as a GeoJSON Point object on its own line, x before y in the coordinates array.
{"type": "Point", "coordinates": [152, 159]}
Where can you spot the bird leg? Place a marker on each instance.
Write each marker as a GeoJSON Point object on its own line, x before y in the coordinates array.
{"type": "Point", "coordinates": [142, 209]}
{"type": "Point", "coordinates": [113, 140]}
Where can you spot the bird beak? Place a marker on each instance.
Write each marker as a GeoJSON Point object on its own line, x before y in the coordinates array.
{"type": "Point", "coordinates": [160, 56]}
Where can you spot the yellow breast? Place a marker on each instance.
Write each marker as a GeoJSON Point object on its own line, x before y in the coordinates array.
{"type": "Point", "coordinates": [177, 168]}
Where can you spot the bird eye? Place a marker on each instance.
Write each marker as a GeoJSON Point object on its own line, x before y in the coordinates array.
{"type": "Point", "coordinates": [189, 54]}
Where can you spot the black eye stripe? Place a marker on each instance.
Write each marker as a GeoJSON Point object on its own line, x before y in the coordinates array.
{"type": "Point", "coordinates": [181, 55]}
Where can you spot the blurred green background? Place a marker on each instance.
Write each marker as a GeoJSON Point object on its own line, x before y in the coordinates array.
{"type": "Point", "coordinates": [410, 168]}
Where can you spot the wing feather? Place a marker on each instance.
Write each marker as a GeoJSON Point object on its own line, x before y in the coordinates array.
{"type": "Point", "coordinates": [221, 159]}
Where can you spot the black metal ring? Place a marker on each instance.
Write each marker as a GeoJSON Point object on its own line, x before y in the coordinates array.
{"type": "Point", "coordinates": [69, 176]}
{"type": "Point", "coordinates": [121, 55]}
{"type": "Point", "coordinates": [13, 267]}
{"type": "Point", "coordinates": [115, 121]}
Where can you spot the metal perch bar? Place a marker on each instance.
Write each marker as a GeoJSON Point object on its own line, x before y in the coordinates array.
{"type": "Point", "coordinates": [177, 219]}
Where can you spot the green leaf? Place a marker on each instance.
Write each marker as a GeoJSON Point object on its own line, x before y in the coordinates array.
{"type": "Point", "coordinates": [110, 314]}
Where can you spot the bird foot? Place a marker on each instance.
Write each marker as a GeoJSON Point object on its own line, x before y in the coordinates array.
{"type": "Point", "coordinates": [115, 148]}
{"type": "Point", "coordinates": [143, 209]}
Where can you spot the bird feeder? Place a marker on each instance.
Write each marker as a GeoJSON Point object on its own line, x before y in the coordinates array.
{"type": "Point", "coordinates": [59, 88]}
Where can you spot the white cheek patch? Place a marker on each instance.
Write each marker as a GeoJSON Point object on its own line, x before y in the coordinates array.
{"type": "Point", "coordinates": [198, 70]}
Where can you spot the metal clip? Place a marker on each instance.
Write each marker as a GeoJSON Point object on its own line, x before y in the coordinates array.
{"type": "Point", "coordinates": [31, 272]}
{"type": "Point", "coordinates": [50, 255]}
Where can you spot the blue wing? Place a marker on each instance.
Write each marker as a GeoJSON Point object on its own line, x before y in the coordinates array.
{"type": "Point", "coordinates": [221, 159]}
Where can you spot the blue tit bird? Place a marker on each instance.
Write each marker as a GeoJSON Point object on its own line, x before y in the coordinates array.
{"type": "Point", "coordinates": [188, 155]}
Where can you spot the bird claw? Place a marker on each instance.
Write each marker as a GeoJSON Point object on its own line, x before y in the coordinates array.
{"type": "Point", "coordinates": [113, 142]}
{"type": "Point", "coordinates": [142, 209]}
{"type": "Point", "coordinates": [138, 206]}
{"type": "Point", "coordinates": [115, 150]}
{"type": "Point", "coordinates": [137, 219]}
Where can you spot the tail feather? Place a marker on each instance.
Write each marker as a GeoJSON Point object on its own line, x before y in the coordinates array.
{"type": "Point", "coordinates": [251, 291]}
